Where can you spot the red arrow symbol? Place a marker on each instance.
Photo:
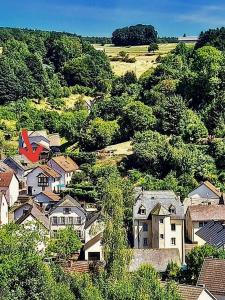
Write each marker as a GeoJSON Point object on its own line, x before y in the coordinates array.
{"type": "Point", "coordinates": [28, 151]}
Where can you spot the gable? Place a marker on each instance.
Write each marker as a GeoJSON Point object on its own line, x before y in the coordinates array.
{"type": "Point", "coordinates": [203, 191]}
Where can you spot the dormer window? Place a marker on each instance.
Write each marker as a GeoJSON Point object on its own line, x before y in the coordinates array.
{"type": "Point", "coordinates": [142, 210]}
{"type": "Point", "coordinates": [172, 209]}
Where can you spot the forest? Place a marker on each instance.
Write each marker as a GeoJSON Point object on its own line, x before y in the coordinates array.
{"type": "Point", "coordinates": [173, 115]}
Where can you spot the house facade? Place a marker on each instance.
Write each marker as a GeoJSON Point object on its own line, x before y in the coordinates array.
{"type": "Point", "coordinates": [94, 226]}
{"type": "Point", "coordinates": [43, 178]}
{"type": "Point", "coordinates": [199, 215]}
{"type": "Point", "coordinates": [9, 186]}
{"type": "Point", "coordinates": [158, 221]}
{"type": "Point", "coordinates": [67, 212]}
{"type": "Point", "coordinates": [4, 208]}
{"type": "Point", "coordinates": [65, 166]}
{"type": "Point", "coordinates": [47, 199]}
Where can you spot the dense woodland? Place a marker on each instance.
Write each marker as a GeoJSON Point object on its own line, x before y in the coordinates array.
{"type": "Point", "coordinates": [175, 117]}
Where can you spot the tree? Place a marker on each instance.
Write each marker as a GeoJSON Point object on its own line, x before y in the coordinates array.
{"type": "Point", "coordinates": [134, 35]}
{"type": "Point", "coordinates": [136, 116]}
{"type": "Point", "coordinates": [195, 260]}
{"type": "Point", "coordinates": [212, 37]}
{"type": "Point", "coordinates": [65, 243]}
{"type": "Point", "coordinates": [153, 47]}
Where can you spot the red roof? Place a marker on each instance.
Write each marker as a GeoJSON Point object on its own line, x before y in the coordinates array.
{"type": "Point", "coordinates": [5, 179]}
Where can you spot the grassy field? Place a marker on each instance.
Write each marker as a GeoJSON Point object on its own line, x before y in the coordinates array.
{"type": "Point", "coordinates": [144, 61]}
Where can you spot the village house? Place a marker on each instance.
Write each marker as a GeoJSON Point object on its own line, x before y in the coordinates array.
{"type": "Point", "coordinates": [213, 233]}
{"type": "Point", "coordinates": [4, 217]}
{"type": "Point", "coordinates": [50, 143]}
{"type": "Point", "coordinates": [212, 277]}
{"type": "Point", "coordinates": [47, 199]}
{"type": "Point", "coordinates": [94, 226]}
{"type": "Point", "coordinates": [4, 167]}
{"type": "Point", "coordinates": [199, 215]}
{"type": "Point", "coordinates": [67, 212]}
{"type": "Point", "coordinates": [33, 218]}
{"type": "Point", "coordinates": [9, 186]}
{"type": "Point", "coordinates": [43, 178]}
{"type": "Point", "coordinates": [158, 258]}
{"type": "Point", "coordinates": [65, 166]}
{"type": "Point", "coordinates": [158, 221]}
{"type": "Point", "coordinates": [205, 193]}
{"type": "Point", "coordinates": [19, 210]}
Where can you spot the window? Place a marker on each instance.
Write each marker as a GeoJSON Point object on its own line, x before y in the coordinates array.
{"type": "Point", "coordinates": [161, 221]}
{"type": "Point", "coordinates": [42, 181]}
{"type": "Point", "coordinates": [145, 227]}
{"type": "Point", "coordinates": [162, 236]}
{"type": "Point", "coordinates": [173, 227]}
{"type": "Point", "coordinates": [201, 224]}
{"type": "Point", "coordinates": [62, 220]}
{"type": "Point", "coordinates": [78, 220]}
{"type": "Point", "coordinates": [78, 233]}
{"type": "Point", "coordinates": [54, 220]}
{"type": "Point", "coordinates": [70, 220]}
{"type": "Point", "coordinates": [145, 242]}
{"type": "Point", "coordinates": [172, 209]}
{"type": "Point", "coordinates": [173, 241]}
{"type": "Point", "coordinates": [142, 210]}
{"type": "Point", "coordinates": [67, 210]}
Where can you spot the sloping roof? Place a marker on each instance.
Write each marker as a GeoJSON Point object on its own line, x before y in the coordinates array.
{"type": "Point", "coordinates": [149, 199]}
{"type": "Point", "coordinates": [54, 140]}
{"type": "Point", "coordinates": [191, 292]}
{"type": "Point", "coordinates": [68, 201]}
{"type": "Point", "coordinates": [42, 143]}
{"type": "Point", "coordinates": [66, 163]}
{"type": "Point", "coordinates": [4, 167]}
{"type": "Point", "coordinates": [21, 161]}
{"type": "Point", "coordinates": [93, 241]}
{"type": "Point", "coordinates": [6, 178]}
{"type": "Point", "coordinates": [160, 210]}
{"type": "Point", "coordinates": [91, 218]}
{"type": "Point", "coordinates": [38, 133]}
{"type": "Point", "coordinates": [52, 196]}
{"type": "Point", "coordinates": [158, 258]}
{"type": "Point", "coordinates": [212, 275]}
{"type": "Point", "coordinates": [207, 212]}
{"type": "Point", "coordinates": [37, 214]}
{"type": "Point", "coordinates": [213, 233]}
{"type": "Point", "coordinates": [212, 188]}
{"type": "Point", "coordinates": [49, 171]}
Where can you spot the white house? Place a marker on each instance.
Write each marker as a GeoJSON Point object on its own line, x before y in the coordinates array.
{"type": "Point", "coordinates": [34, 219]}
{"type": "Point", "coordinates": [4, 218]}
{"type": "Point", "coordinates": [9, 186]}
{"type": "Point", "coordinates": [68, 212]}
{"type": "Point", "coordinates": [65, 166]}
{"type": "Point", "coordinates": [94, 227]}
{"type": "Point", "coordinates": [43, 178]}
{"type": "Point", "coordinates": [47, 199]}
{"type": "Point", "coordinates": [158, 221]}
{"type": "Point", "coordinates": [205, 192]}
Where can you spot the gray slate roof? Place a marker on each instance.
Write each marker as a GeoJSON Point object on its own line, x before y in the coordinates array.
{"type": "Point", "coordinates": [149, 199]}
{"type": "Point", "coordinates": [213, 233]}
{"type": "Point", "coordinates": [158, 258]}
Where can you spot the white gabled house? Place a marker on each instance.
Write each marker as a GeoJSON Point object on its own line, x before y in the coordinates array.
{"type": "Point", "coordinates": [65, 166]}
{"type": "Point", "coordinates": [94, 226]}
{"type": "Point", "coordinates": [68, 212]}
{"type": "Point", "coordinates": [4, 217]}
{"type": "Point", "coordinates": [9, 186]}
{"type": "Point", "coordinates": [43, 178]}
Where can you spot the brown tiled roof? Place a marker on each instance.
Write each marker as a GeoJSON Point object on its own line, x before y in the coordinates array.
{"type": "Point", "coordinates": [52, 196]}
{"type": "Point", "coordinates": [207, 212]}
{"type": "Point", "coordinates": [54, 140]}
{"type": "Point", "coordinates": [93, 241]}
{"type": "Point", "coordinates": [66, 163]}
{"type": "Point", "coordinates": [212, 188]}
{"type": "Point", "coordinates": [212, 275]}
{"type": "Point", "coordinates": [5, 179]}
{"type": "Point", "coordinates": [158, 258]}
{"type": "Point", "coordinates": [49, 171]}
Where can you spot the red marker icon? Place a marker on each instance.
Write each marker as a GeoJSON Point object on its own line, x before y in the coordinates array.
{"type": "Point", "coordinates": [32, 155]}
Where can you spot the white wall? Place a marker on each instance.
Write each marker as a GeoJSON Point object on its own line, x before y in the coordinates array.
{"type": "Point", "coordinates": [4, 218]}
{"type": "Point", "coordinates": [20, 211]}
{"type": "Point", "coordinates": [32, 180]}
{"type": "Point", "coordinates": [11, 192]}
{"type": "Point", "coordinates": [66, 176]}
{"type": "Point", "coordinates": [97, 247]}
